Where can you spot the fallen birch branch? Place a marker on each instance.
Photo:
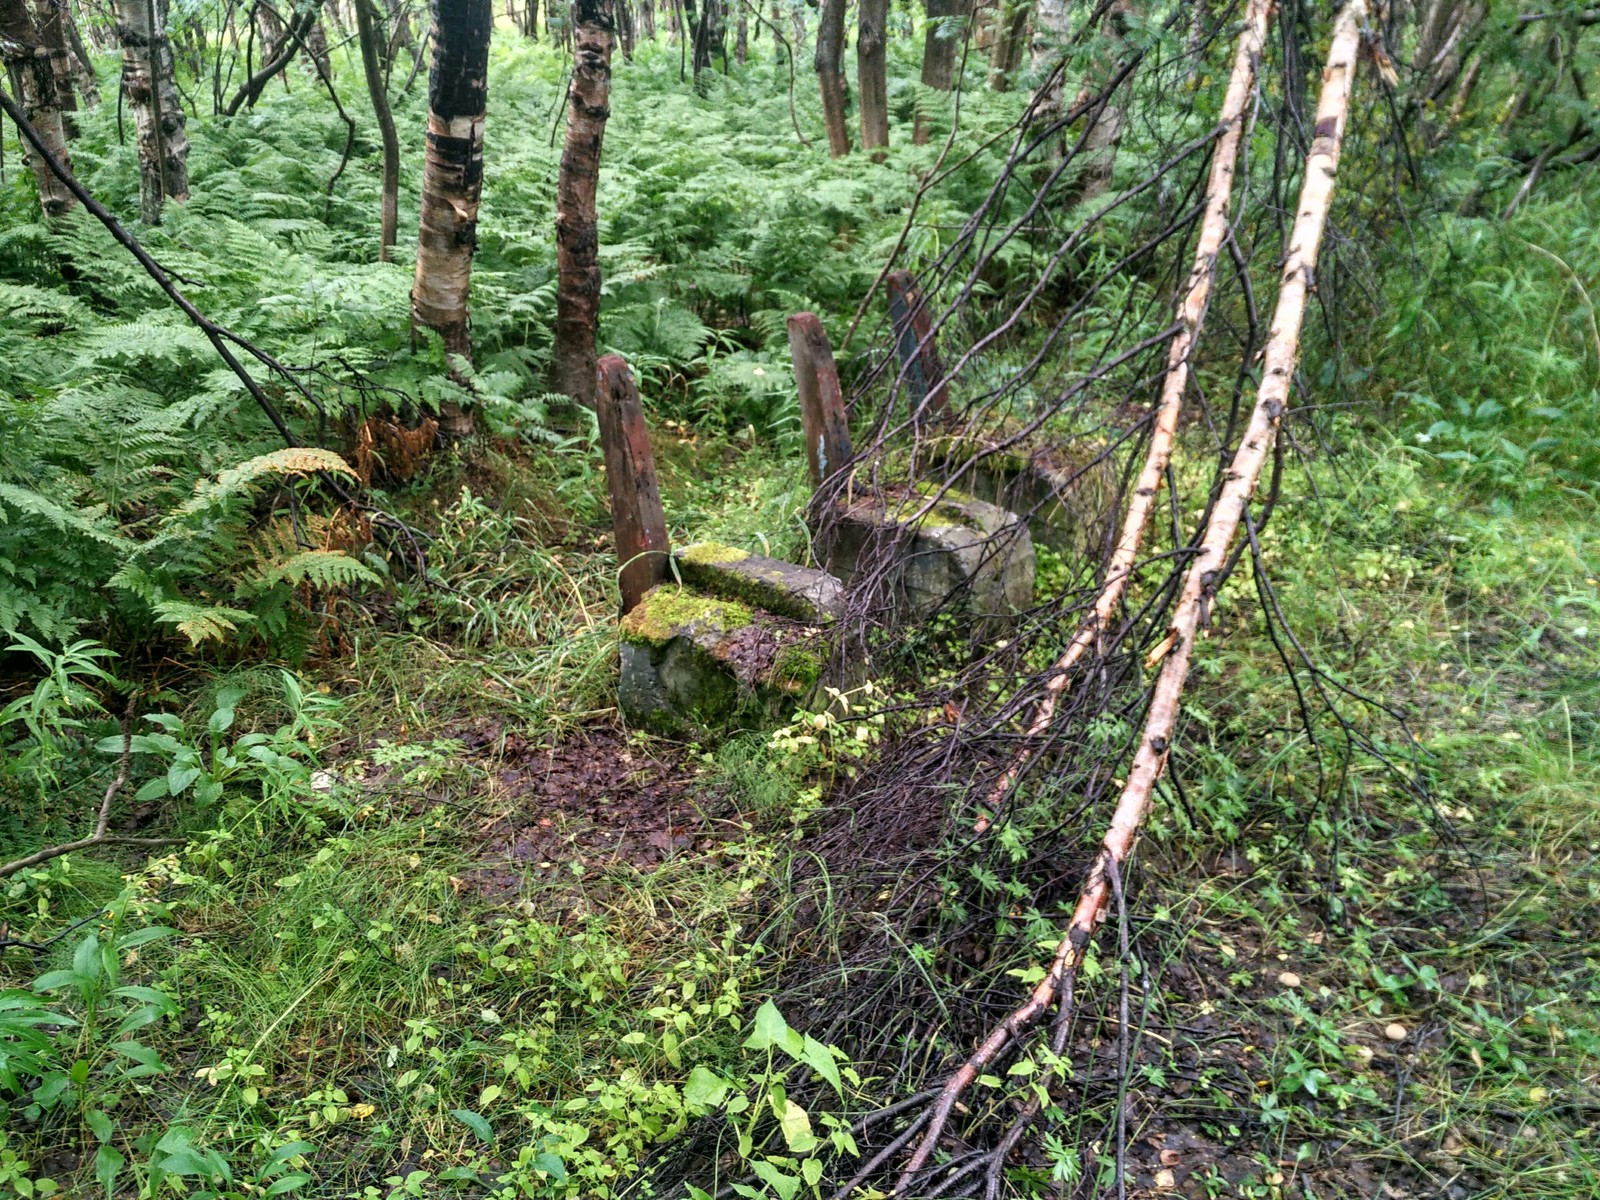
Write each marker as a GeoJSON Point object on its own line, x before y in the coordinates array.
{"type": "Point", "coordinates": [1191, 316]}
{"type": "Point", "coordinates": [1201, 577]}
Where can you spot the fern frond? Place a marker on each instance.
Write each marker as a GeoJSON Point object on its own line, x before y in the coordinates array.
{"type": "Point", "coordinates": [201, 623]}
{"type": "Point", "coordinates": [290, 461]}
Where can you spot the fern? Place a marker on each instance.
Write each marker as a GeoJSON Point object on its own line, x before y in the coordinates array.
{"type": "Point", "coordinates": [201, 623]}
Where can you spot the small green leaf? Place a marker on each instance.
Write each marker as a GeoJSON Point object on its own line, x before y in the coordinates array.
{"type": "Point", "coordinates": [99, 1124]}
{"type": "Point", "coordinates": [475, 1123]}
{"type": "Point", "coordinates": [704, 1088]}
{"type": "Point", "coordinates": [108, 1164]}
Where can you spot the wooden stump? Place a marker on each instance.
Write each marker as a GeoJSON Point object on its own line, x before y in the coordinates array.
{"type": "Point", "coordinates": [915, 346]}
{"type": "Point", "coordinates": [822, 415]}
{"type": "Point", "coordinates": [639, 525]}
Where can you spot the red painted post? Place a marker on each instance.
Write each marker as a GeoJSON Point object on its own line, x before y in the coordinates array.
{"type": "Point", "coordinates": [639, 526]}
{"type": "Point", "coordinates": [822, 416]}
{"type": "Point", "coordinates": [914, 344]}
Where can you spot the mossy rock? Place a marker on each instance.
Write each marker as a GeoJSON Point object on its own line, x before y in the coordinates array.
{"type": "Point", "coordinates": [696, 665]}
{"type": "Point", "coordinates": [800, 593]}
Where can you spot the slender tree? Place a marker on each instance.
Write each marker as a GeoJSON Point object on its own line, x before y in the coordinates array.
{"type": "Point", "coordinates": [152, 93]}
{"type": "Point", "coordinates": [938, 44]}
{"type": "Point", "coordinates": [830, 74]}
{"type": "Point", "coordinates": [369, 29]}
{"type": "Point", "coordinates": [872, 74]}
{"type": "Point", "coordinates": [452, 180]}
{"type": "Point", "coordinates": [82, 64]}
{"type": "Point", "coordinates": [1105, 123]}
{"type": "Point", "coordinates": [1005, 51]}
{"type": "Point", "coordinates": [572, 367]}
{"type": "Point", "coordinates": [28, 60]}
{"type": "Point", "coordinates": [1051, 25]}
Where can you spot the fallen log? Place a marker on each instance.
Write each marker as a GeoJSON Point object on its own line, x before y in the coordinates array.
{"type": "Point", "coordinates": [1200, 578]}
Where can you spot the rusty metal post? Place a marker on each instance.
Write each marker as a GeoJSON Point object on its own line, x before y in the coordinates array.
{"type": "Point", "coordinates": [639, 525]}
{"type": "Point", "coordinates": [822, 416]}
{"type": "Point", "coordinates": [914, 344]}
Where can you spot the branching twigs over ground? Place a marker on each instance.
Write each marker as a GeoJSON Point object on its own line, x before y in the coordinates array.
{"type": "Point", "coordinates": [1191, 316]}
{"type": "Point", "coordinates": [1200, 579]}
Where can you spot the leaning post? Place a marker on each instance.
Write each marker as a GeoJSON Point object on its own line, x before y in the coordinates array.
{"type": "Point", "coordinates": [822, 416]}
{"type": "Point", "coordinates": [915, 346]}
{"type": "Point", "coordinates": [639, 525]}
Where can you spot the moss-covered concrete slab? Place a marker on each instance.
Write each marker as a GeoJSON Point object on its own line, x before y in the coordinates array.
{"type": "Point", "coordinates": [694, 663]}
{"type": "Point", "coordinates": [948, 549]}
{"type": "Point", "coordinates": [801, 593]}
{"type": "Point", "coordinates": [1066, 493]}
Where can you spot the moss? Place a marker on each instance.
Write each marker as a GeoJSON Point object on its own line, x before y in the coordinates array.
{"type": "Point", "coordinates": [765, 583]}
{"type": "Point", "coordinates": [667, 608]}
{"type": "Point", "coordinates": [706, 554]}
{"type": "Point", "coordinates": [949, 509]}
{"type": "Point", "coordinates": [798, 666]}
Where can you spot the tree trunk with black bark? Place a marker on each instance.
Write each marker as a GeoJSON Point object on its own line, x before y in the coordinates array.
{"type": "Point", "coordinates": [28, 62]}
{"type": "Point", "coordinates": [572, 366]}
{"type": "Point", "coordinates": [452, 181]}
{"type": "Point", "coordinates": [51, 17]}
{"type": "Point", "coordinates": [370, 30]}
{"type": "Point", "coordinates": [830, 74]}
{"type": "Point", "coordinates": [157, 108]}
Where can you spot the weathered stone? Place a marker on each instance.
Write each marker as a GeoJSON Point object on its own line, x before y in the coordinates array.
{"type": "Point", "coordinates": [802, 593]}
{"type": "Point", "coordinates": [1066, 501]}
{"type": "Point", "coordinates": [698, 663]}
{"type": "Point", "coordinates": [962, 552]}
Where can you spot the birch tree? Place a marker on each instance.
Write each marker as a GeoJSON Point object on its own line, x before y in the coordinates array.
{"type": "Point", "coordinates": [152, 94]}
{"type": "Point", "coordinates": [572, 368]}
{"type": "Point", "coordinates": [29, 63]}
{"type": "Point", "coordinates": [452, 180]}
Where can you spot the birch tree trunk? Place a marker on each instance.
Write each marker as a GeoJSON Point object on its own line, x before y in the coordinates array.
{"type": "Point", "coordinates": [1011, 29]}
{"type": "Point", "coordinates": [317, 51]}
{"type": "Point", "coordinates": [1201, 578]}
{"type": "Point", "coordinates": [872, 76]}
{"type": "Point", "coordinates": [1051, 27]}
{"type": "Point", "coordinates": [51, 18]}
{"type": "Point", "coordinates": [829, 63]}
{"type": "Point", "coordinates": [157, 108]}
{"type": "Point", "coordinates": [28, 61]}
{"type": "Point", "coordinates": [369, 29]}
{"type": "Point", "coordinates": [452, 180]}
{"type": "Point", "coordinates": [572, 366]}
{"type": "Point", "coordinates": [1099, 153]}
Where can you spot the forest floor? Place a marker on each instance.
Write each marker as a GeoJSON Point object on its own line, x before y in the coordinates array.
{"type": "Point", "coordinates": [467, 936]}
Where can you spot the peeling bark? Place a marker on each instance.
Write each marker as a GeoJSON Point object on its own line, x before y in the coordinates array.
{"type": "Point", "coordinates": [572, 367]}
{"type": "Point", "coordinates": [51, 17]}
{"type": "Point", "coordinates": [829, 64]}
{"type": "Point", "coordinates": [452, 180]}
{"type": "Point", "coordinates": [872, 75]}
{"type": "Point", "coordinates": [28, 60]}
{"type": "Point", "coordinates": [157, 108]}
{"type": "Point", "coordinates": [370, 30]}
